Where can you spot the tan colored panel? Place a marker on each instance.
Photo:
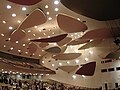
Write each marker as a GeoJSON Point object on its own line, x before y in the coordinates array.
{"type": "Point", "coordinates": [68, 68]}
{"type": "Point", "coordinates": [93, 43]}
{"type": "Point", "coordinates": [53, 50]}
{"type": "Point", "coordinates": [64, 41]}
{"type": "Point", "coordinates": [67, 56]}
{"type": "Point", "coordinates": [37, 17]}
{"type": "Point", "coordinates": [70, 24]}
{"type": "Point", "coordinates": [78, 41]}
{"type": "Point", "coordinates": [17, 35]}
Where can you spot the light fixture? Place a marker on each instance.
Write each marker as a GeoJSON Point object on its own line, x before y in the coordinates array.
{"type": "Point", "coordinates": [19, 21]}
{"type": "Point", "coordinates": [8, 7]}
{"type": "Point", "coordinates": [68, 62]}
{"type": "Point", "coordinates": [53, 65]}
{"type": "Point", "coordinates": [74, 76]}
{"type": "Point", "coordinates": [26, 52]}
{"type": "Point", "coordinates": [4, 22]}
{"type": "Point", "coordinates": [34, 34]}
{"type": "Point", "coordinates": [56, 9]}
{"type": "Point", "coordinates": [39, 55]}
{"type": "Point", "coordinates": [4, 45]}
{"type": "Point", "coordinates": [24, 9]}
{"type": "Point", "coordinates": [56, 2]}
{"type": "Point", "coordinates": [77, 61]}
{"type": "Point", "coordinates": [46, 6]}
{"type": "Point", "coordinates": [2, 35]}
{"type": "Point", "coordinates": [48, 13]}
{"type": "Point", "coordinates": [23, 45]}
{"type": "Point", "coordinates": [44, 33]}
{"type": "Point", "coordinates": [86, 59]}
{"type": "Point", "coordinates": [13, 15]}
{"type": "Point", "coordinates": [29, 30]}
{"type": "Point", "coordinates": [43, 62]}
{"type": "Point", "coordinates": [83, 75]}
{"type": "Point", "coordinates": [19, 50]}
{"type": "Point", "coordinates": [49, 18]}
{"type": "Point", "coordinates": [35, 26]}
{"type": "Point", "coordinates": [78, 19]}
{"type": "Point", "coordinates": [91, 52]}
{"type": "Point", "coordinates": [53, 33]}
{"type": "Point", "coordinates": [17, 42]}
{"type": "Point", "coordinates": [60, 64]}
{"type": "Point", "coordinates": [10, 27]}
{"type": "Point", "coordinates": [11, 48]}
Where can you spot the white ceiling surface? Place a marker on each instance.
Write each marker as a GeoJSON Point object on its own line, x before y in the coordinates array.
{"type": "Point", "coordinates": [51, 27]}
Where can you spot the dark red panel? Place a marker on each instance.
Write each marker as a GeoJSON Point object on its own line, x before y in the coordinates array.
{"type": "Point", "coordinates": [52, 39]}
{"type": "Point", "coordinates": [25, 2]}
{"type": "Point", "coordinates": [87, 69]}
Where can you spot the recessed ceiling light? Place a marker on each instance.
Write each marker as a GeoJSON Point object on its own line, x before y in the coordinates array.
{"type": "Point", "coordinates": [91, 52]}
{"type": "Point", "coordinates": [56, 9]}
{"type": "Point", "coordinates": [13, 15]}
{"type": "Point", "coordinates": [78, 19]}
{"type": "Point", "coordinates": [19, 50]}
{"type": "Point", "coordinates": [24, 9]}
{"type": "Point", "coordinates": [4, 22]}
{"type": "Point", "coordinates": [35, 26]}
{"type": "Point", "coordinates": [17, 42]}
{"type": "Point", "coordinates": [48, 36]}
{"type": "Point", "coordinates": [29, 30]}
{"type": "Point", "coordinates": [53, 65]}
{"type": "Point", "coordinates": [43, 61]}
{"type": "Point", "coordinates": [49, 18]}
{"type": "Point", "coordinates": [46, 6]}
{"type": "Point", "coordinates": [48, 13]}
{"type": "Point", "coordinates": [9, 39]}
{"type": "Point", "coordinates": [68, 62]}
{"type": "Point", "coordinates": [23, 45]}
{"type": "Point", "coordinates": [10, 27]}
{"type": "Point", "coordinates": [39, 37]}
{"type": "Point", "coordinates": [19, 21]}
{"type": "Point", "coordinates": [39, 55]}
{"type": "Point", "coordinates": [11, 48]}
{"type": "Point", "coordinates": [83, 75]}
{"type": "Point", "coordinates": [8, 7]}
{"type": "Point", "coordinates": [42, 50]}
{"type": "Point", "coordinates": [73, 76]}
{"type": "Point", "coordinates": [29, 39]}
{"type": "Point", "coordinates": [53, 33]}
{"type": "Point", "coordinates": [86, 59]}
{"type": "Point", "coordinates": [77, 61]}
{"type": "Point", "coordinates": [2, 35]}
{"type": "Point", "coordinates": [56, 2]}
{"type": "Point", "coordinates": [26, 52]}
{"type": "Point", "coordinates": [4, 46]}
{"type": "Point", "coordinates": [44, 33]}
{"type": "Point", "coordinates": [34, 35]}
{"type": "Point", "coordinates": [60, 64]}
{"type": "Point", "coordinates": [40, 30]}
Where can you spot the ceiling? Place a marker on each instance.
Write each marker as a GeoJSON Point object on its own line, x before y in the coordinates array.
{"type": "Point", "coordinates": [50, 29]}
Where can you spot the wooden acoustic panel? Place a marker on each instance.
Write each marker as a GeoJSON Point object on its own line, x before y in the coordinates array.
{"type": "Point", "coordinates": [67, 56]}
{"type": "Point", "coordinates": [87, 69]}
{"type": "Point", "coordinates": [51, 39]}
{"type": "Point", "coordinates": [25, 2]}
{"type": "Point", "coordinates": [64, 41]}
{"type": "Point", "coordinates": [37, 17]}
{"type": "Point", "coordinates": [102, 33]}
{"type": "Point", "coordinates": [68, 68]}
{"type": "Point", "coordinates": [32, 48]}
{"type": "Point", "coordinates": [17, 35]}
{"type": "Point", "coordinates": [53, 49]}
{"type": "Point", "coordinates": [93, 43]}
{"type": "Point", "coordinates": [113, 55]}
{"type": "Point", "coordinates": [78, 41]}
{"type": "Point", "coordinates": [69, 24]}
{"type": "Point", "coordinates": [42, 45]}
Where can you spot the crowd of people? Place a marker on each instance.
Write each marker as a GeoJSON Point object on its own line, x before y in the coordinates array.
{"type": "Point", "coordinates": [7, 82]}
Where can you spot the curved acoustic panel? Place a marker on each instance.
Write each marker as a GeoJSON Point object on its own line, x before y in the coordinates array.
{"type": "Point", "coordinates": [100, 9]}
{"type": "Point", "coordinates": [101, 33]}
{"type": "Point", "coordinates": [32, 48]}
{"type": "Point", "coordinates": [113, 55]}
{"type": "Point", "coordinates": [25, 2]}
{"type": "Point", "coordinates": [17, 35]}
{"type": "Point", "coordinates": [67, 56]}
{"type": "Point", "coordinates": [37, 17]}
{"type": "Point", "coordinates": [69, 24]}
{"type": "Point", "coordinates": [87, 69]}
{"type": "Point", "coordinates": [68, 68]}
{"type": "Point", "coordinates": [53, 50]}
{"type": "Point", "coordinates": [42, 45]}
{"type": "Point", "coordinates": [51, 39]}
{"type": "Point", "coordinates": [93, 43]}
{"type": "Point", "coordinates": [77, 42]}
{"type": "Point", "coordinates": [64, 41]}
